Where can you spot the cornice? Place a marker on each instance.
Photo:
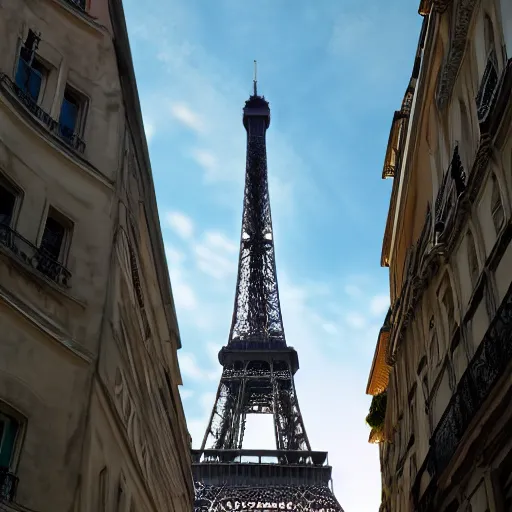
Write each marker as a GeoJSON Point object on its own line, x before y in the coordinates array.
{"type": "Point", "coordinates": [450, 70]}
{"type": "Point", "coordinates": [133, 114]}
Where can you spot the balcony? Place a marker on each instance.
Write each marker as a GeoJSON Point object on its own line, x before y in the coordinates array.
{"type": "Point", "coordinates": [271, 467]}
{"type": "Point", "coordinates": [71, 139]}
{"type": "Point", "coordinates": [485, 96]}
{"type": "Point", "coordinates": [79, 4]}
{"type": "Point", "coordinates": [33, 256]}
{"type": "Point", "coordinates": [8, 484]}
{"type": "Point", "coordinates": [485, 369]}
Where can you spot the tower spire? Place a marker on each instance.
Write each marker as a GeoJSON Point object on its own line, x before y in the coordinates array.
{"type": "Point", "coordinates": [255, 79]}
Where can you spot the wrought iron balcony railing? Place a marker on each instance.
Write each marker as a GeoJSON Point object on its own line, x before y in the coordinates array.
{"type": "Point", "coordinates": [80, 4]}
{"type": "Point", "coordinates": [69, 137]}
{"type": "Point", "coordinates": [485, 96]}
{"type": "Point", "coordinates": [8, 484]}
{"type": "Point", "coordinates": [33, 256]}
{"type": "Point", "coordinates": [485, 369]}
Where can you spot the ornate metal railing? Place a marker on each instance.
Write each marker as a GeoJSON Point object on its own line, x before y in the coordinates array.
{"type": "Point", "coordinates": [487, 366]}
{"type": "Point", "coordinates": [8, 484]}
{"type": "Point", "coordinates": [80, 4]}
{"type": "Point", "coordinates": [485, 96]}
{"type": "Point", "coordinates": [33, 256]}
{"type": "Point", "coordinates": [71, 138]}
{"type": "Point", "coordinates": [310, 458]}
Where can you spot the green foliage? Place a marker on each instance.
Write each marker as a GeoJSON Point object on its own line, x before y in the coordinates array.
{"type": "Point", "coordinates": [375, 418]}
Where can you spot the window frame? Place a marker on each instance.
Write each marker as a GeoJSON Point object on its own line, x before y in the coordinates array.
{"type": "Point", "coordinates": [495, 185]}
{"type": "Point", "coordinates": [18, 193]}
{"type": "Point", "coordinates": [9, 411]}
{"type": "Point", "coordinates": [83, 106]}
{"type": "Point", "coordinates": [44, 71]}
{"type": "Point", "coordinates": [68, 225]}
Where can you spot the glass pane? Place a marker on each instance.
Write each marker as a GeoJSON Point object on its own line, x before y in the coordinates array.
{"type": "Point", "coordinates": [7, 200]}
{"type": "Point", "coordinates": [53, 237]}
{"type": "Point", "coordinates": [68, 117]}
{"type": "Point", "coordinates": [9, 428]}
{"type": "Point", "coordinates": [28, 79]}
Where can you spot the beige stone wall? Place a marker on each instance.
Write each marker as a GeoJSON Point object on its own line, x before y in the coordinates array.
{"type": "Point", "coordinates": [88, 367]}
{"type": "Point", "coordinates": [447, 286]}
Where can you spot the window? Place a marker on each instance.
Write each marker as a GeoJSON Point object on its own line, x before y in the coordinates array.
{"type": "Point", "coordinates": [496, 205]}
{"type": "Point", "coordinates": [30, 72]}
{"type": "Point", "coordinates": [474, 270]}
{"type": "Point", "coordinates": [489, 82]}
{"type": "Point", "coordinates": [445, 295]}
{"type": "Point", "coordinates": [70, 119]}
{"type": "Point", "coordinates": [69, 114]}
{"type": "Point", "coordinates": [7, 203]}
{"type": "Point", "coordinates": [9, 430]}
{"type": "Point", "coordinates": [53, 238]}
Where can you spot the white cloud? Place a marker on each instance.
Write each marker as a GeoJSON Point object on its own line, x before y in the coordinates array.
{"type": "Point", "coordinates": [206, 159]}
{"type": "Point", "coordinates": [356, 320]}
{"type": "Point", "coordinates": [182, 291]}
{"type": "Point", "coordinates": [180, 223]}
{"type": "Point", "coordinates": [216, 255]}
{"type": "Point", "coordinates": [379, 304]}
{"type": "Point", "coordinates": [186, 116]}
{"type": "Point", "coordinates": [191, 368]}
{"type": "Point", "coordinates": [330, 328]}
{"type": "Point", "coordinates": [184, 296]}
{"type": "Point", "coordinates": [149, 128]}
{"type": "Point", "coordinates": [186, 393]}
{"type": "Point", "coordinates": [353, 291]}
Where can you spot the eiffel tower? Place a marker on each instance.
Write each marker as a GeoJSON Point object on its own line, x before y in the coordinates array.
{"type": "Point", "coordinates": [258, 375]}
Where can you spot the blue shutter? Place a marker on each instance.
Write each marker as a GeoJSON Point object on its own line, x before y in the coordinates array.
{"type": "Point", "coordinates": [68, 118]}
{"type": "Point", "coordinates": [28, 79]}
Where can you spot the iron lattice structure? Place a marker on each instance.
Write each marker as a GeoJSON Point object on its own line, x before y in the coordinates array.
{"type": "Point", "coordinates": [258, 374]}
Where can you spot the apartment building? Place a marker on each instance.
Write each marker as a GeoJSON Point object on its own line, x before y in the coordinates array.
{"type": "Point", "coordinates": [90, 412]}
{"type": "Point", "coordinates": [441, 374]}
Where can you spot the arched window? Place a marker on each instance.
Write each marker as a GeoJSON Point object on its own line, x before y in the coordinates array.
{"type": "Point", "coordinates": [474, 270]}
{"type": "Point", "coordinates": [496, 205]}
{"type": "Point", "coordinates": [489, 35]}
{"type": "Point", "coordinates": [489, 81]}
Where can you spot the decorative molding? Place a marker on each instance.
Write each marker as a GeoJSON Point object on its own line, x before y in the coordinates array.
{"type": "Point", "coordinates": [450, 70]}
{"type": "Point", "coordinates": [424, 264]}
{"type": "Point", "coordinates": [441, 5]}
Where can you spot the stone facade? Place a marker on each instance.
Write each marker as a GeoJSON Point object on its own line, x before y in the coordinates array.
{"type": "Point", "coordinates": [90, 412]}
{"type": "Point", "coordinates": [444, 355]}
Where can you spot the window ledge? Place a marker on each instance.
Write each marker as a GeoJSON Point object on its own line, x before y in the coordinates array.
{"type": "Point", "coordinates": [55, 141]}
{"type": "Point", "coordinates": [42, 118]}
{"type": "Point", "coordinates": [44, 325]}
{"type": "Point", "coordinates": [41, 277]}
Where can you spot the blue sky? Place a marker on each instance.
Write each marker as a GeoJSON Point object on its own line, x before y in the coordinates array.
{"type": "Point", "coordinates": [334, 71]}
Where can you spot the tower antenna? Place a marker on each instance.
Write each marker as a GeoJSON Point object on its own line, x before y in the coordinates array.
{"type": "Point", "coordinates": [255, 80]}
